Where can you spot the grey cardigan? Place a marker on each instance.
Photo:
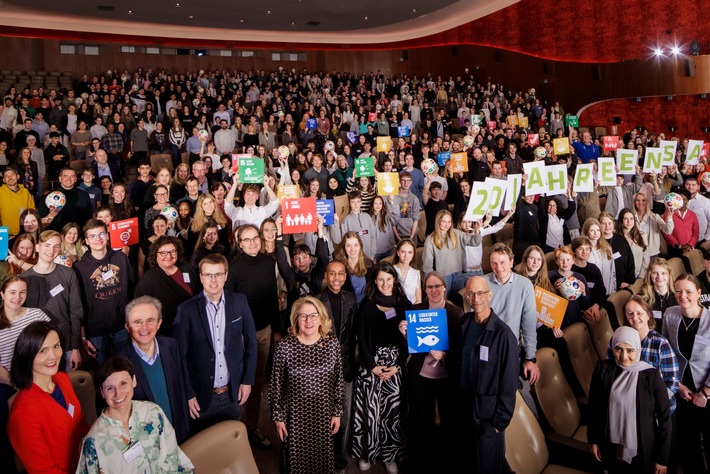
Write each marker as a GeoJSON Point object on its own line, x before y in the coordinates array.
{"type": "Point", "coordinates": [700, 359]}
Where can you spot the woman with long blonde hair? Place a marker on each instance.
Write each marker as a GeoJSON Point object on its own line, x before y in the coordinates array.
{"type": "Point", "coordinates": [657, 288]}
{"type": "Point", "coordinates": [444, 249]}
{"type": "Point", "coordinates": [206, 210]}
{"type": "Point", "coordinates": [601, 255]}
{"type": "Point", "coordinates": [534, 268]}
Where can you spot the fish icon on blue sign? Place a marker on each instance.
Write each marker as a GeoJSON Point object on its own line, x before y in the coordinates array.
{"type": "Point", "coordinates": [430, 340]}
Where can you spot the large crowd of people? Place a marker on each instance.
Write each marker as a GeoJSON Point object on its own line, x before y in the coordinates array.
{"type": "Point", "coordinates": [217, 302]}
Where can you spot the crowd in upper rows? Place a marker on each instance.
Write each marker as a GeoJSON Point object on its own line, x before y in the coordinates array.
{"type": "Point", "coordinates": [309, 128]}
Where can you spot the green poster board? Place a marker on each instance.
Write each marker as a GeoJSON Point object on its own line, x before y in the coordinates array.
{"type": "Point", "coordinates": [251, 170]}
{"type": "Point", "coordinates": [365, 167]}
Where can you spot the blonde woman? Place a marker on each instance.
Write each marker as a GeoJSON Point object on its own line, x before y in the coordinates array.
{"type": "Point", "coordinates": [72, 247]}
{"type": "Point", "coordinates": [601, 254]}
{"type": "Point", "coordinates": [444, 249]}
{"type": "Point", "coordinates": [162, 178]}
{"type": "Point", "coordinates": [651, 224]}
{"type": "Point", "coordinates": [534, 268]}
{"type": "Point", "coordinates": [177, 185]}
{"type": "Point", "coordinates": [206, 210]}
{"type": "Point", "coordinates": [657, 288]}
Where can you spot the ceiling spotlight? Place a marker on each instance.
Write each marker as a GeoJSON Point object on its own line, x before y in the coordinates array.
{"type": "Point", "coordinates": [365, 18]}
{"type": "Point", "coordinates": [191, 17]}
{"type": "Point", "coordinates": [268, 12]}
{"type": "Point", "coordinates": [658, 51]}
{"type": "Point", "coordinates": [177, 5]}
{"type": "Point", "coordinates": [414, 10]}
{"type": "Point", "coordinates": [675, 50]}
{"type": "Point", "coordinates": [130, 12]}
{"type": "Point", "coordinates": [241, 21]}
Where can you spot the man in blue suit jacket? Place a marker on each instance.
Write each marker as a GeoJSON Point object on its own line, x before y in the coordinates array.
{"type": "Point", "coordinates": [217, 342]}
{"type": "Point", "coordinates": [157, 363]}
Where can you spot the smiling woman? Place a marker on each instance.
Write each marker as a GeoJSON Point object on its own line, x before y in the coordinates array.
{"type": "Point", "coordinates": [46, 422]}
{"type": "Point", "coordinates": [129, 436]}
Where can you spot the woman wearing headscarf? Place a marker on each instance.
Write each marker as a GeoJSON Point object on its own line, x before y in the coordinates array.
{"type": "Point", "coordinates": [630, 424]}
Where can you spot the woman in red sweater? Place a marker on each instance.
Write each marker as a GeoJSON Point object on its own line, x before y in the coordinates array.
{"type": "Point", "coordinates": [46, 424]}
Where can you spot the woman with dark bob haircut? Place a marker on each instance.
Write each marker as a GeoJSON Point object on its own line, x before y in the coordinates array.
{"type": "Point", "coordinates": [46, 422]}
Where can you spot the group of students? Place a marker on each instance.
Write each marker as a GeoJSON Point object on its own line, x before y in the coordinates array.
{"type": "Point", "coordinates": [312, 299]}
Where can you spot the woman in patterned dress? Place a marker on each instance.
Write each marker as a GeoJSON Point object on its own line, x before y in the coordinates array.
{"type": "Point", "coordinates": [306, 392]}
{"type": "Point", "coordinates": [377, 424]}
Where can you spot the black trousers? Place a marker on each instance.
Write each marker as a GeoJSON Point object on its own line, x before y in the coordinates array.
{"type": "Point", "coordinates": [692, 422]}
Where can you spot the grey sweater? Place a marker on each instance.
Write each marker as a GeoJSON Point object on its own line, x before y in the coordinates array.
{"type": "Point", "coordinates": [447, 260]}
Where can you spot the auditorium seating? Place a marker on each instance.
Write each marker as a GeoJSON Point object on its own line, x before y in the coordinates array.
{"type": "Point", "coordinates": [677, 266]}
{"type": "Point", "coordinates": [601, 333]}
{"type": "Point", "coordinates": [558, 403]}
{"type": "Point", "coordinates": [222, 448]}
{"type": "Point", "coordinates": [526, 451]}
{"type": "Point", "coordinates": [694, 261]}
{"type": "Point", "coordinates": [582, 355]}
{"type": "Point", "coordinates": [615, 307]}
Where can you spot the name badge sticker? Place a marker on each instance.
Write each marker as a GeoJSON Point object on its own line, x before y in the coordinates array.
{"type": "Point", "coordinates": [133, 452]}
{"type": "Point", "coordinates": [484, 353]}
{"type": "Point", "coordinates": [186, 277]}
{"type": "Point", "coordinates": [616, 255]}
{"type": "Point", "coordinates": [56, 290]}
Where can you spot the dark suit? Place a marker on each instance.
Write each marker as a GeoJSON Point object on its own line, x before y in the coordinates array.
{"type": "Point", "coordinates": [173, 368]}
{"type": "Point", "coordinates": [194, 339]}
{"type": "Point", "coordinates": [115, 173]}
{"type": "Point", "coordinates": [653, 421]}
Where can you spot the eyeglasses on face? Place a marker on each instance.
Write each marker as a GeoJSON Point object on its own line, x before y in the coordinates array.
{"type": "Point", "coordinates": [210, 276]}
{"type": "Point", "coordinates": [434, 287]}
{"type": "Point", "coordinates": [476, 294]}
{"type": "Point", "coordinates": [308, 317]}
{"type": "Point", "coordinates": [165, 253]}
{"type": "Point", "coordinates": [99, 236]}
{"type": "Point", "coordinates": [252, 240]}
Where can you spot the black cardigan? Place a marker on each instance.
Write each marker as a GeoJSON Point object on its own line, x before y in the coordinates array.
{"type": "Point", "coordinates": [624, 264]}
{"type": "Point", "coordinates": [653, 419]}
{"type": "Point", "coordinates": [158, 284]}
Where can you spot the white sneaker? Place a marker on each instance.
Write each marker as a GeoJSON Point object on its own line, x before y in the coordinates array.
{"type": "Point", "coordinates": [363, 465]}
{"type": "Point", "coordinates": [391, 467]}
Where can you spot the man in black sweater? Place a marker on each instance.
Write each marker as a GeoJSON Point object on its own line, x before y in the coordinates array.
{"type": "Point", "coordinates": [252, 274]}
{"type": "Point", "coordinates": [341, 306]}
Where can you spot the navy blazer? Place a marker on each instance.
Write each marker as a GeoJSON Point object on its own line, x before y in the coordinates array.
{"type": "Point", "coordinates": [174, 380]}
{"type": "Point", "coordinates": [192, 332]}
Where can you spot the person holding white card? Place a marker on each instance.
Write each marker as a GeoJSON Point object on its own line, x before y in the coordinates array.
{"type": "Point", "coordinates": [46, 422]}
{"type": "Point", "coordinates": [129, 436]}
{"type": "Point", "coordinates": [489, 379]}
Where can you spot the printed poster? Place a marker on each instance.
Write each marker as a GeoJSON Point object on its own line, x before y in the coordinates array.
{"type": "Point", "coordinates": [326, 208]}
{"type": "Point", "coordinates": [403, 131]}
{"type": "Point", "coordinates": [550, 308]}
{"type": "Point", "coordinates": [387, 184]}
{"type": "Point", "coordinates": [427, 330]}
{"type": "Point", "coordinates": [365, 167]}
{"type": "Point", "coordinates": [299, 215]}
{"type": "Point", "coordinates": [443, 157]}
{"type": "Point", "coordinates": [459, 163]}
{"type": "Point", "coordinates": [560, 146]}
{"type": "Point", "coordinates": [610, 143]}
{"type": "Point", "coordinates": [287, 191]}
{"type": "Point", "coordinates": [123, 233]}
{"type": "Point", "coordinates": [384, 144]}
{"type": "Point", "coordinates": [533, 139]}
{"type": "Point", "coordinates": [4, 242]}
{"type": "Point", "coordinates": [251, 170]}
{"type": "Point", "coordinates": [572, 120]}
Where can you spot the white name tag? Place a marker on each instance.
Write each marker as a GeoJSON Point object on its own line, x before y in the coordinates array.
{"type": "Point", "coordinates": [107, 275]}
{"type": "Point", "coordinates": [133, 452]}
{"type": "Point", "coordinates": [391, 314]}
{"type": "Point", "coordinates": [616, 255]}
{"type": "Point", "coordinates": [590, 284]}
{"type": "Point", "coordinates": [70, 409]}
{"type": "Point", "coordinates": [186, 277]}
{"type": "Point", "coordinates": [56, 290]}
{"type": "Point", "coordinates": [657, 315]}
{"type": "Point", "coordinates": [484, 353]}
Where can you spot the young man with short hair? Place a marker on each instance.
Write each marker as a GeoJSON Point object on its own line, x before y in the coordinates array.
{"type": "Point", "coordinates": [360, 223]}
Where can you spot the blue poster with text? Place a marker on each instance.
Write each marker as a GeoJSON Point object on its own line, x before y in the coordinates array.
{"type": "Point", "coordinates": [427, 330]}
{"type": "Point", "coordinates": [326, 208]}
{"type": "Point", "coordinates": [443, 157]}
{"type": "Point", "coordinates": [4, 242]}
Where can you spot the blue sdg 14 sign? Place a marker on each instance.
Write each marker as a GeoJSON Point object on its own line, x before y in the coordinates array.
{"type": "Point", "coordinates": [427, 330]}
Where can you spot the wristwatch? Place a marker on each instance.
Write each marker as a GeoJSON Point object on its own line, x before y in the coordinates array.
{"type": "Point", "coordinates": [533, 360]}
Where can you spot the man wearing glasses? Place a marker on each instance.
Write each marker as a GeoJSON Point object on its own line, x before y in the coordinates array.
{"type": "Point", "coordinates": [157, 363]}
{"type": "Point", "coordinates": [217, 343]}
{"type": "Point", "coordinates": [489, 377]}
{"type": "Point", "coordinates": [105, 276]}
{"type": "Point", "coordinates": [253, 274]}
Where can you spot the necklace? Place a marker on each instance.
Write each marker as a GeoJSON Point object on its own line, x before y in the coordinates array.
{"type": "Point", "coordinates": [688, 326]}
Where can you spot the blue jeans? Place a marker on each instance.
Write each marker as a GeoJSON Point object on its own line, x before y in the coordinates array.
{"type": "Point", "coordinates": [380, 256]}
{"type": "Point", "coordinates": [105, 344]}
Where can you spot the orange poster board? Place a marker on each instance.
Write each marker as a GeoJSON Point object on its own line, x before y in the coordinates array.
{"type": "Point", "coordinates": [550, 308]}
{"type": "Point", "coordinates": [459, 162]}
{"type": "Point", "coordinates": [123, 233]}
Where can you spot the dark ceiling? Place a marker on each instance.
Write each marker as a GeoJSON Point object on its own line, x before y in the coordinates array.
{"type": "Point", "coordinates": [285, 15]}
